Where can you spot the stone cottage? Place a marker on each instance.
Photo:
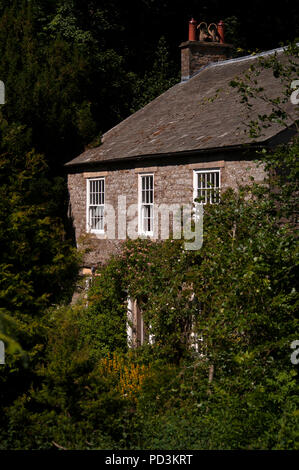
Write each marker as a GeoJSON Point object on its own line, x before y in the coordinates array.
{"type": "Point", "coordinates": [191, 141]}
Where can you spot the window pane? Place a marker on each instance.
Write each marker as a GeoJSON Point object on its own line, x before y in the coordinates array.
{"type": "Point", "coordinates": [96, 214]}
{"type": "Point", "coordinates": [147, 218]}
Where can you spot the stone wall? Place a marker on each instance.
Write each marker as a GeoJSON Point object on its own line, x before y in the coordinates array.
{"type": "Point", "coordinates": [173, 183]}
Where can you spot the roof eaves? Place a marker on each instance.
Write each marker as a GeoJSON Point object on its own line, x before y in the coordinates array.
{"type": "Point", "coordinates": [184, 153]}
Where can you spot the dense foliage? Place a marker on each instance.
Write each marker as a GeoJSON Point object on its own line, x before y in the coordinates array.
{"type": "Point", "coordinates": [239, 390]}
{"type": "Point", "coordinates": [38, 264]}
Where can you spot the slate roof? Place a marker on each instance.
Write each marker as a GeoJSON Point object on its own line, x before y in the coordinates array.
{"type": "Point", "coordinates": [187, 117]}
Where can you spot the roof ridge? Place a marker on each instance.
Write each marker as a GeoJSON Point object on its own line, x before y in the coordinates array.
{"type": "Point", "coordinates": [238, 59]}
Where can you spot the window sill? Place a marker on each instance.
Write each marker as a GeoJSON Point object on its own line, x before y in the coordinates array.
{"type": "Point", "coordinates": [146, 234]}
{"type": "Point", "coordinates": [96, 232]}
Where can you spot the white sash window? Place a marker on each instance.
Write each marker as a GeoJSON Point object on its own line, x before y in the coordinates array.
{"type": "Point", "coordinates": [207, 186]}
{"type": "Point", "coordinates": [95, 205]}
{"type": "Point", "coordinates": [146, 204]}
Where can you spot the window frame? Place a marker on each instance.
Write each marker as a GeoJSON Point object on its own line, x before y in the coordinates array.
{"type": "Point", "coordinates": [88, 205]}
{"type": "Point", "coordinates": [141, 231]}
{"type": "Point", "coordinates": [195, 183]}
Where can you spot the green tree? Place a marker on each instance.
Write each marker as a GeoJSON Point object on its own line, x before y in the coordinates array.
{"type": "Point", "coordinates": [162, 76]}
{"type": "Point", "coordinates": [39, 266]}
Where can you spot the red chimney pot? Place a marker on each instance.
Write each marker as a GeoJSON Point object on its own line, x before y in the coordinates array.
{"type": "Point", "coordinates": [220, 30]}
{"type": "Point", "coordinates": [192, 29]}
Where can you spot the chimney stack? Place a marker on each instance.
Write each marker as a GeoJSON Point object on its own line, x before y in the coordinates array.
{"type": "Point", "coordinates": [205, 44]}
